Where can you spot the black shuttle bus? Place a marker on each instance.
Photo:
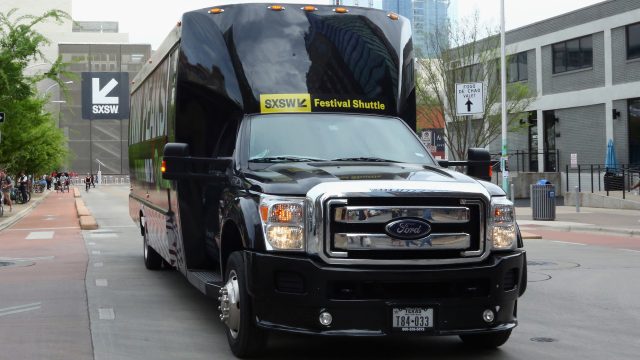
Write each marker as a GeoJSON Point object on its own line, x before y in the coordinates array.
{"type": "Point", "coordinates": [274, 163]}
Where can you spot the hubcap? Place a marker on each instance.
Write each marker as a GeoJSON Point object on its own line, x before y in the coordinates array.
{"type": "Point", "coordinates": [230, 304]}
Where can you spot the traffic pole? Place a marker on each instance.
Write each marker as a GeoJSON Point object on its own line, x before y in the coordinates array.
{"type": "Point", "coordinates": [504, 159]}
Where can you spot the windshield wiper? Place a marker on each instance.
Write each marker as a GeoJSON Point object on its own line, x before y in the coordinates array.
{"type": "Point", "coordinates": [365, 159]}
{"type": "Point", "coordinates": [269, 159]}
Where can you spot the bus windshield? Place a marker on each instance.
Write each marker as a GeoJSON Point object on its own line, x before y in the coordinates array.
{"type": "Point", "coordinates": [333, 137]}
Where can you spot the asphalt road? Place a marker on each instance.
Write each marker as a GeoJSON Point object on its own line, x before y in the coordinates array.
{"type": "Point", "coordinates": [581, 303]}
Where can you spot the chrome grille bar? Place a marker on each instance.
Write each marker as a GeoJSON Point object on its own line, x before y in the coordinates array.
{"type": "Point", "coordinates": [384, 214]}
{"type": "Point", "coordinates": [354, 242]}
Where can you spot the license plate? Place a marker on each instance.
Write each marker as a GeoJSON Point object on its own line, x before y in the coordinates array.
{"type": "Point", "coordinates": [412, 319]}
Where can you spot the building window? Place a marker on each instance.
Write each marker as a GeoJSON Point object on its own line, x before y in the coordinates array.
{"type": "Point", "coordinates": [573, 54]}
{"type": "Point", "coordinates": [517, 69]}
{"type": "Point", "coordinates": [633, 41]}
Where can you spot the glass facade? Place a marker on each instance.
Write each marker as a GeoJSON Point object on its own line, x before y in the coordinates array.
{"type": "Point", "coordinates": [91, 141]}
{"type": "Point", "coordinates": [428, 17]}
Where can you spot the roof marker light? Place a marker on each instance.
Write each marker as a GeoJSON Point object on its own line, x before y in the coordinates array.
{"type": "Point", "coordinates": [393, 16]}
{"type": "Point", "coordinates": [276, 7]}
{"type": "Point", "coordinates": [310, 8]}
{"type": "Point", "coordinates": [216, 11]}
{"type": "Point", "coordinates": [341, 10]}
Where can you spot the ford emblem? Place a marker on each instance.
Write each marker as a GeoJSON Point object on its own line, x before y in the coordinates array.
{"type": "Point", "coordinates": [408, 229]}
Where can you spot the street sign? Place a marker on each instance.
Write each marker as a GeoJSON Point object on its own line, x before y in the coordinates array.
{"type": "Point", "coordinates": [574, 161]}
{"type": "Point", "coordinates": [105, 95]}
{"type": "Point", "coordinates": [469, 98]}
{"type": "Point", "coordinates": [1, 117]}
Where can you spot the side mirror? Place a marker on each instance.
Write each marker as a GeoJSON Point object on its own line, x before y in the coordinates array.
{"type": "Point", "coordinates": [174, 161]}
{"type": "Point", "coordinates": [177, 164]}
{"type": "Point", "coordinates": [479, 163]}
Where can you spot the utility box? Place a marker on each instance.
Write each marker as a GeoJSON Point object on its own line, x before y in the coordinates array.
{"type": "Point", "coordinates": [543, 200]}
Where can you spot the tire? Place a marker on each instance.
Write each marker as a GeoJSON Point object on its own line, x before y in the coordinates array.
{"type": "Point", "coordinates": [244, 337]}
{"type": "Point", "coordinates": [488, 340]}
{"type": "Point", "coordinates": [152, 260]}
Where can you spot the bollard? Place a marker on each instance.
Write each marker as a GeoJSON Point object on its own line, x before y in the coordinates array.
{"type": "Point", "coordinates": [513, 197]}
{"type": "Point", "coordinates": [577, 199]}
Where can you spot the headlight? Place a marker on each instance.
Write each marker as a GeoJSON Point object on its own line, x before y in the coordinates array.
{"type": "Point", "coordinates": [502, 224]}
{"type": "Point", "coordinates": [282, 222]}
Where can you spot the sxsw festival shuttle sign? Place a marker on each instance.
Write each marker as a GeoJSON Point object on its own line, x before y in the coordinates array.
{"type": "Point", "coordinates": [105, 95]}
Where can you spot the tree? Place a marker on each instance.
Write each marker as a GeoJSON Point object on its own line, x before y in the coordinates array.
{"type": "Point", "coordinates": [463, 56]}
{"type": "Point", "coordinates": [30, 140]}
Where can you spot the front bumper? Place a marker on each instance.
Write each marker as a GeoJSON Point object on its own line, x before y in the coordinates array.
{"type": "Point", "coordinates": [288, 294]}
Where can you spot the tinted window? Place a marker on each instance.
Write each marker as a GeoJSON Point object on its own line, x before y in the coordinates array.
{"type": "Point", "coordinates": [633, 41]}
{"type": "Point", "coordinates": [573, 54]}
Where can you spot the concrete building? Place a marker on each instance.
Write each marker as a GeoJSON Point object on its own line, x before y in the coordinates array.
{"type": "Point", "coordinates": [583, 68]}
{"type": "Point", "coordinates": [95, 46]}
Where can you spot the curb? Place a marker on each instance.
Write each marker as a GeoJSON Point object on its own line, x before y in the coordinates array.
{"type": "Point", "coordinates": [87, 222]}
{"type": "Point", "coordinates": [592, 229]}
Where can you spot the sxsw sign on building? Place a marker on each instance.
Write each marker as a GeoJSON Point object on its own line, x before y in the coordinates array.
{"type": "Point", "coordinates": [105, 95]}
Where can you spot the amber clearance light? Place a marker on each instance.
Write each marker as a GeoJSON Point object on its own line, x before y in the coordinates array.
{"type": "Point", "coordinates": [393, 16]}
{"type": "Point", "coordinates": [341, 10]}
{"type": "Point", "coordinates": [163, 167]}
{"type": "Point", "coordinates": [310, 8]}
{"type": "Point", "coordinates": [276, 7]}
{"type": "Point", "coordinates": [216, 11]}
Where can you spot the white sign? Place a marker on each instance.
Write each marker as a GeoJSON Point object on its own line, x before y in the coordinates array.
{"type": "Point", "coordinates": [574, 160]}
{"type": "Point", "coordinates": [469, 99]}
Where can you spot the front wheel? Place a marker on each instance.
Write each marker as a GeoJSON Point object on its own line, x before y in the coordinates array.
{"type": "Point", "coordinates": [152, 260]}
{"type": "Point", "coordinates": [244, 337]}
{"type": "Point", "coordinates": [488, 340]}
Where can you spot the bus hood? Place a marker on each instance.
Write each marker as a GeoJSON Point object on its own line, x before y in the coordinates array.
{"type": "Point", "coordinates": [298, 178]}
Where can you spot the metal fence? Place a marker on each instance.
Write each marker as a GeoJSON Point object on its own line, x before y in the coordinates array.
{"type": "Point", "coordinates": [106, 180]}
{"type": "Point", "coordinates": [596, 177]}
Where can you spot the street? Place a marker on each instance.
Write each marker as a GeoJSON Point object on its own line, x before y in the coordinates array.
{"type": "Point", "coordinates": [581, 301]}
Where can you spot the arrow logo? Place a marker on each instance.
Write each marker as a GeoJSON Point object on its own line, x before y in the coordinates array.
{"type": "Point", "coordinates": [469, 103]}
{"type": "Point", "coordinates": [99, 96]}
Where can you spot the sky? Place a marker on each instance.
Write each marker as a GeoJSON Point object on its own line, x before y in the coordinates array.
{"type": "Point", "coordinates": [148, 22]}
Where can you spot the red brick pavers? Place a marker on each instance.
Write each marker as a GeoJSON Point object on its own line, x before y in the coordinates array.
{"type": "Point", "coordinates": [43, 302]}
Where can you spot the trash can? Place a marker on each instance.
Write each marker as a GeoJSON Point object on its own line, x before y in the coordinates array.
{"type": "Point", "coordinates": [543, 200]}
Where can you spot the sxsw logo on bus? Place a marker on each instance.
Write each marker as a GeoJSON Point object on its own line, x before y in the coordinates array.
{"type": "Point", "coordinates": [274, 103]}
{"type": "Point", "coordinates": [105, 95]}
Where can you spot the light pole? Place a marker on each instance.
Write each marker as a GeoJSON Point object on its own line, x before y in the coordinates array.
{"type": "Point", "coordinates": [44, 93]}
{"type": "Point", "coordinates": [504, 159]}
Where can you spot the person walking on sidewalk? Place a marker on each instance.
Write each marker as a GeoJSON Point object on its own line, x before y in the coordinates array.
{"type": "Point", "coordinates": [7, 185]}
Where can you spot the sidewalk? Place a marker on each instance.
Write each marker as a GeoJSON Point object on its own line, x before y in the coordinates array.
{"type": "Point", "coordinates": [610, 221]}
{"type": "Point", "coordinates": [20, 210]}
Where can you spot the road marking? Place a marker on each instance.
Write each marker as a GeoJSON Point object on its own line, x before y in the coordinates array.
{"type": "Point", "coordinates": [40, 235]}
{"type": "Point", "coordinates": [91, 244]}
{"type": "Point", "coordinates": [19, 309]}
{"type": "Point", "coordinates": [106, 314]}
{"type": "Point", "coordinates": [102, 282]}
{"type": "Point", "coordinates": [121, 226]}
{"type": "Point", "coordinates": [47, 228]}
{"type": "Point", "coordinates": [98, 264]}
{"type": "Point", "coordinates": [630, 250]}
{"type": "Point", "coordinates": [568, 243]}
{"type": "Point", "coordinates": [103, 235]}
{"type": "Point", "coordinates": [28, 259]}
{"type": "Point", "coordinates": [95, 252]}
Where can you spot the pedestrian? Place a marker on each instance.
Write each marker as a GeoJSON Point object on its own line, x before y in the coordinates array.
{"type": "Point", "coordinates": [93, 181]}
{"type": "Point", "coordinates": [7, 185]}
{"type": "Point", "coordinates": [23, 182]}
{"type": "Point", "coordinates": [48, 179]}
